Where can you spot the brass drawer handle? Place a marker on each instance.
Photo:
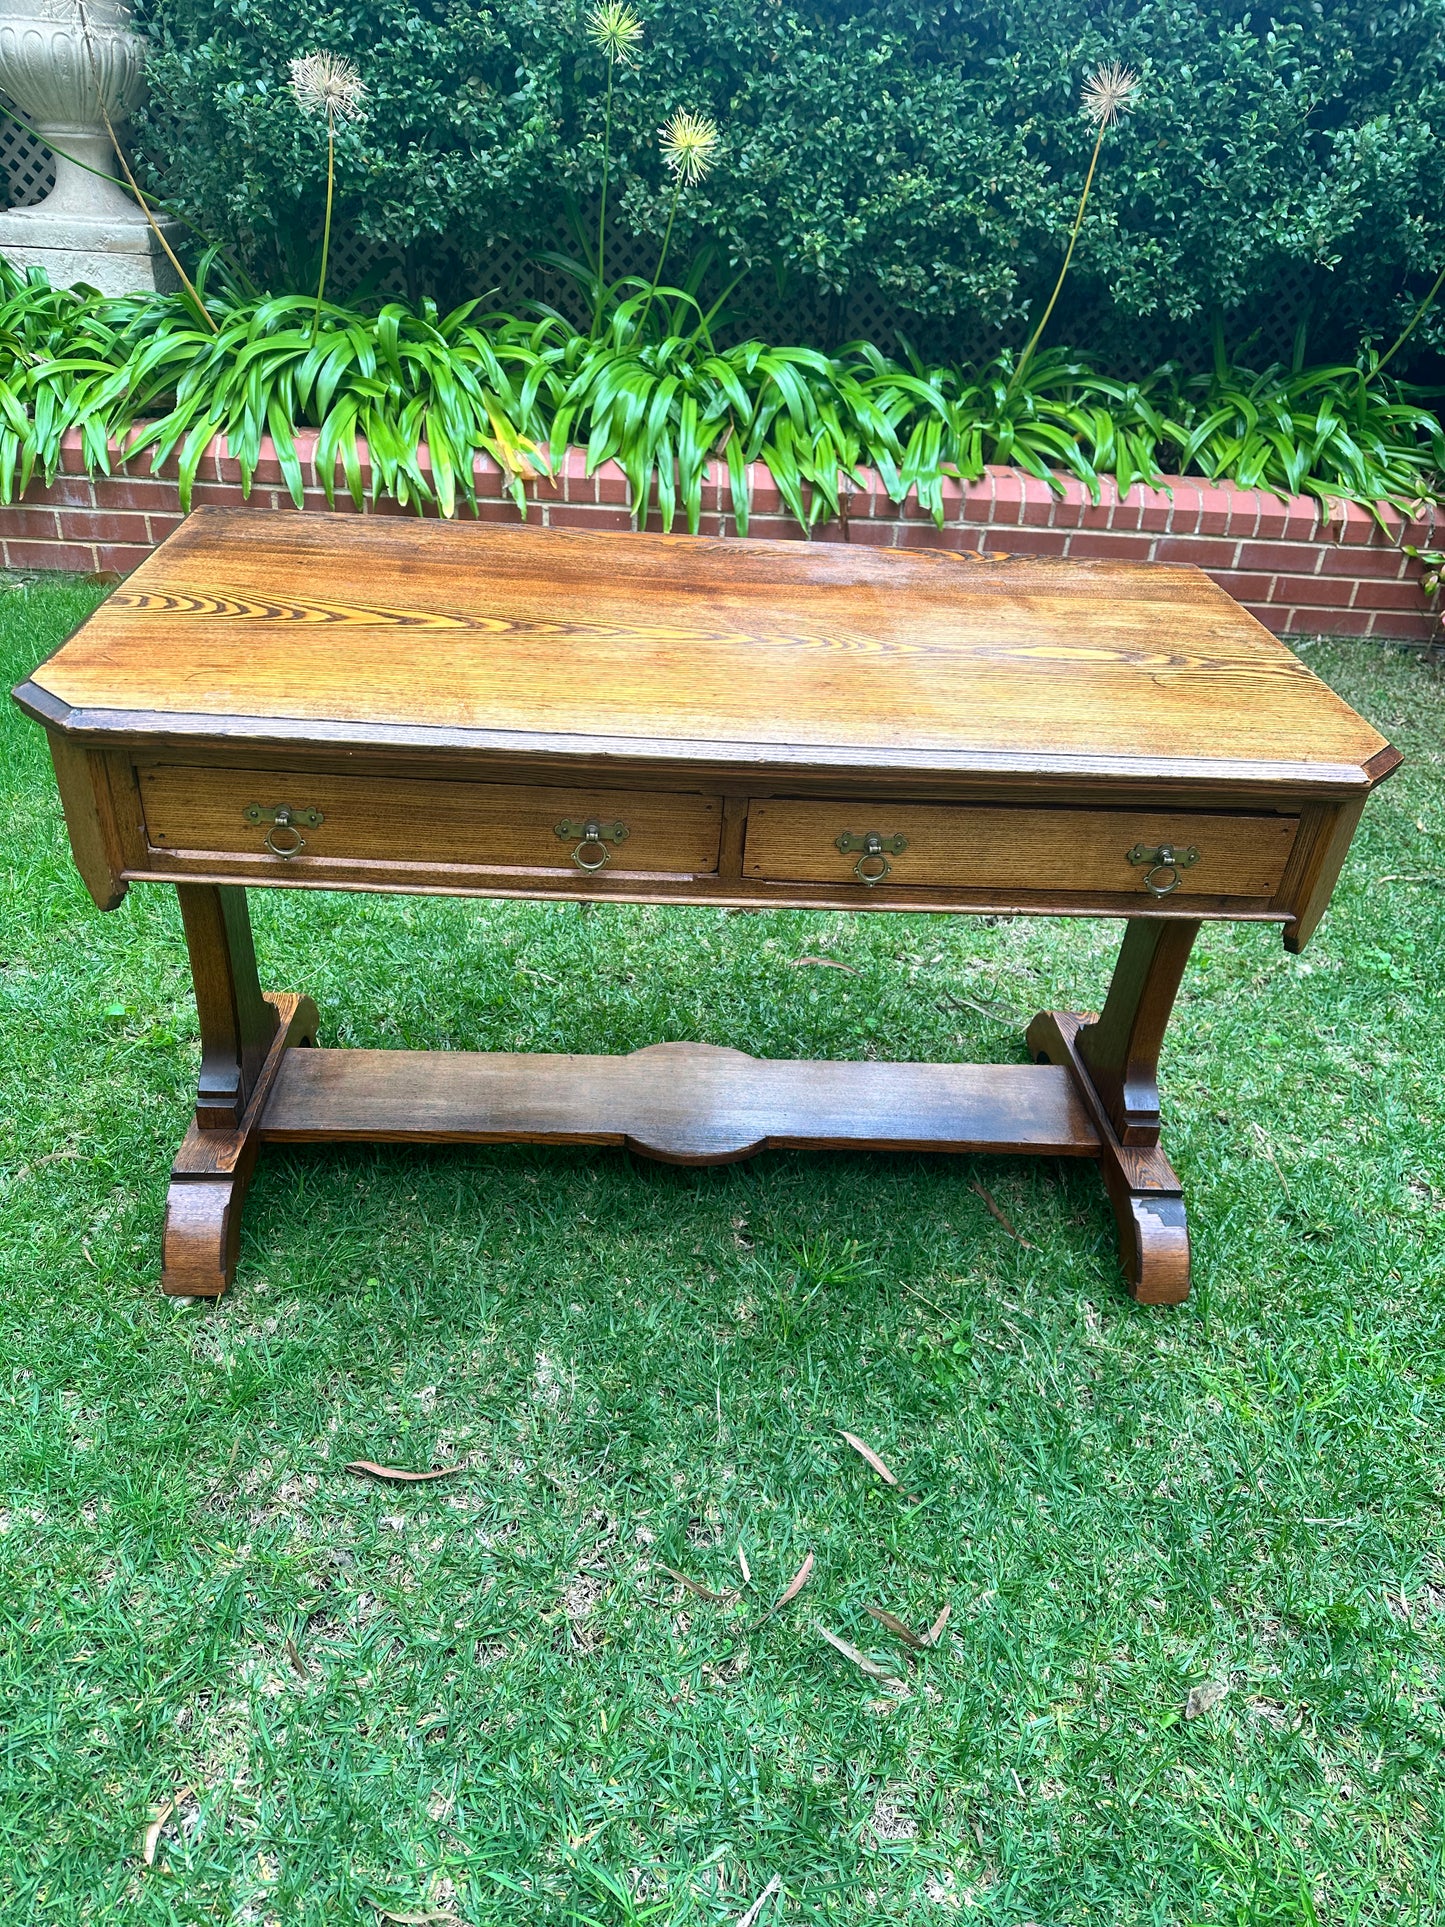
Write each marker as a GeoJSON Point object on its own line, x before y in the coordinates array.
{"type": "Point", "coordinates": [594, 836]}
{"type": "Point", "coordinates": [1165, 862]}
{"type": "Point", "coordinates": [283, 818]}
{"type": "Point", "coordinates": [872, 845]}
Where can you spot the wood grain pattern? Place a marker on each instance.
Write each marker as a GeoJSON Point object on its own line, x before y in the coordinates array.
{"type": "Point", "coordinates": [485, 826]}
{"type": "Point", "coordinates": [704, 650]}
{"type": "Point", "coordinates": [1144, 1191]}
{"type": "Point", "coordinates": [965, 846]}
{"type": "Point", "coordinates": [94, 841]}
{"type": "Point", "coordinates": [679, 1103]}
{"type": "Point", "coordinates": [213, 1167]}
{"type": "Point", "coordinates": [1121, 1050]}
{"type": "Point", "coordinates": [237, 1022]}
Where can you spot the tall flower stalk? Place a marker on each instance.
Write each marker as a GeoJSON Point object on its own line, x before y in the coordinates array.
{"type": "Point", "coordinates": [689, 147]}
{"type": "Point", "coordinates": [327, 84]}
{"type": "Point", "coordinates": [614, 29]}
{"type": "Point", "coordinates": [1108, 96]}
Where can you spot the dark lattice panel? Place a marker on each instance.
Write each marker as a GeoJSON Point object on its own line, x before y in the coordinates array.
{"type": "Point", "coordinates": [29, 165]}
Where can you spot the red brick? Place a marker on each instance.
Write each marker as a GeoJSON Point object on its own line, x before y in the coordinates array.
{"type": "Point", "coordinates": [1046, 542]}
{"type": "Point", "coordinates": [1205, 551]}
{"type": "Point", "coordinates": [27, 524]}
{"type": "Point", "coordinates": [72, 458]}
{"type": "Point", "coordinates": [775, 528]}
{"type": "Point", "coordinates": [1243, 587]}
{"type": "Point", "coordinates": [1040, 504]}
{"type": "Point", "coordinates": [103, 525]}
{"type": "Point", "coordinates": [1299, 558]}
{"type": "Point", "coordinates": [1272, 618]}
{"type": "Point", "coordinates": [1217, 509]}
{"type": "Point", "coordinates": [1128, 513]}
{"type": "Point", "coordinates": [65, 491]}
{"type": "Point", "coordinates": [1382, 564]}
{"type": "Point", "coordinates": [1311, 591]}
{"type": "Point", "coordinates": [1071, 507]}
{"type": "Point", "coordinates": [117, 556]}
{"type": "Point", "coordinates": [1398, 627]}
{"type": "Point", "coordinates": [1006, 488]}
{"type": "Point", "coordinates": [48, 555]}
{"type": "Point", "coordinates": [611, 483]}
{"type": "Point", "coordinates": [1389, 595]}
{"type": "Point", "coordinates": [582, 515]}
{"type": "Point", "coordinates": [1098, 515]}
{"type": "Point", "coordinates": [1184, 516]}
{"type": "Point", "coordinates": [219, 495]}
{"type": "Point", "coordinates": [1274, 516]}
{"type": "Point", "coordinates": [158, 527]}
{"type": "Point", "coordinates": [925, 535]}
{"type": "Point", "coordinates": [1109, 545]}
{"type": "Point", "coordinates": [1353, 524]}
{"type": "Point", "coordinates": [868, 533]}
{"type": "Point", "coordinates": [132, 492]}
{"type": "Point", "coordinates": [1345, 622]}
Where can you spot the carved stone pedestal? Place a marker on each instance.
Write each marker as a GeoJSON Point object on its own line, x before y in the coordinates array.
{"type": "Point", "coordinates": [59, 59]}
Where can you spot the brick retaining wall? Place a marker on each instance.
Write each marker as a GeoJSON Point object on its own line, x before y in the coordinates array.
{"type": "Point", "coordinates": [1270, 553]}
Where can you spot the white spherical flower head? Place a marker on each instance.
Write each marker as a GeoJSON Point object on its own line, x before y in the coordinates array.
{"type": "Point", "coordinates": [327, 84]}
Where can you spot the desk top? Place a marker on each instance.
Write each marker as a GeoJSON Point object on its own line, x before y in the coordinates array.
{"type": "Point", "coordinates": [250, 626]}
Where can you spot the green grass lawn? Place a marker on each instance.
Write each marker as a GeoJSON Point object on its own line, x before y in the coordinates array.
{"type": "Point", "coordinates": [483, 1699]}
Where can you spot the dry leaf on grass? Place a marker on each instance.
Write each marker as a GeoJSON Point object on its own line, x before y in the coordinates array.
{"type": "Point", "coordinates": [867, 1452]}
{"type": "Point", "coordinates": [744, 1568]}
{"type": "Point", "coordinates": [749, 1919]}
{"type": "Point", "coordinates": [159, 1816]}
{"type": "Point", "coordinates": [1003, 1217]}
{"type": "Point", "coordinates": [860, 1660]}
{"type": "Point", "coordinates": [920, 1642]}
{"type": "Point", "coordinates": [825, 963]}
{"type": "Point", "coordinates": [796, 1584]}
{"type": "Point", "coordinates": [368, 1468]}
{"type": "Point", "coordinates": [697, 1591]}
{"type": "Point", "coordinates": [1204, 1698]}
{"type": "Point", "coordinates": [298, 1665]}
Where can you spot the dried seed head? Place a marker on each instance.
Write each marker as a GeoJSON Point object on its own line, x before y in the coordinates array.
{"type": "Point", "coordinates": [689, 145]}
{"type": "Point", "coordinates": [327, 84]}
{"type": "Point", "coordinates": [614, 29]}
{"type": "Point", "coordinates": [1109, 93]}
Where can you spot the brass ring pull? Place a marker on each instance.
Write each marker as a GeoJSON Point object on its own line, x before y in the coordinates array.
{"type": "Point", "coordinates": [1164, 864]}
{"type": "Point", "coordinates": [288, 828]}
{"type": "Point", "coordinates": [283, 818]}
{"type": "Point", "coordinates": [872, 846]}
{"type": "Point", "coordinates": [594, 836]}
{"type": "Point", "coordinates": [591, 843]}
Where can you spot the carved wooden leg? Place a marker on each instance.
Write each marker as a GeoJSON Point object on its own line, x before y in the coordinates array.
{"type": "Point", "coordinates": [243, 1039]}
{"type": "Point", "coordinates": [1115, 1061]}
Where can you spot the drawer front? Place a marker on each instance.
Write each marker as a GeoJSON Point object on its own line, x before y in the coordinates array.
{"type": "Point", "coordinates": [965, 846]}
{"type": "Point", "coordinates": [398, 822]}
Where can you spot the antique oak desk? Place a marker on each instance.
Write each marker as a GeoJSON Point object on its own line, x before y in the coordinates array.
{"type": "Point", "coordinates": [347, 703]}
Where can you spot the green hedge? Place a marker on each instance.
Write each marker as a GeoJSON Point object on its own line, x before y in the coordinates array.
{"type": "Point", "coordinates": [931, 150]}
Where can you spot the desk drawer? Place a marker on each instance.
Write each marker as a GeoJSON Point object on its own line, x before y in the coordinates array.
{"type": "Point", "coordinates": [400, 822]}
{"type": "Point", "coordinates": [967, 846]}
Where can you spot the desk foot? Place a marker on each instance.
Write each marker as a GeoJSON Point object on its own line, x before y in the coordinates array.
{"type": "Point", "coordinates": [1147, 1197]}
{"type": "Point", "coordinates": [213, 1169]}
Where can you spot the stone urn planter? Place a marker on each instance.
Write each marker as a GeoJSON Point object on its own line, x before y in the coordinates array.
{"type": "Point", "coordinates": [58, 60]}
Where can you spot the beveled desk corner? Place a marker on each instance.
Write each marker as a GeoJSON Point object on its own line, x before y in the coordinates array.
{"type": "Point", "coordinates": [342, 702]}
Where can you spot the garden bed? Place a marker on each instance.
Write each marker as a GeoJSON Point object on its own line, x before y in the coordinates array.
{"type": "Point", "coordinates": [1351, 577]}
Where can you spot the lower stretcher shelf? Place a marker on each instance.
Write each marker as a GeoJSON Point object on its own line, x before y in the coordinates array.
{"type": "Point", "coordinates": [681, 1103]}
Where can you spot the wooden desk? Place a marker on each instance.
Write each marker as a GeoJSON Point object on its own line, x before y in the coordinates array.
{"type": "Point", "coordinates": [331, 702]}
